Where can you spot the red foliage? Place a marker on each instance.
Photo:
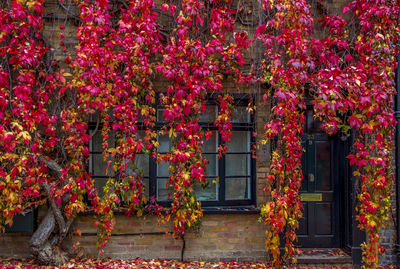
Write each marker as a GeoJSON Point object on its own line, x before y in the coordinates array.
{"type": "Point", "coordinates": [352, 88]}
{"type": "Point", "coordinates": [288, 78]}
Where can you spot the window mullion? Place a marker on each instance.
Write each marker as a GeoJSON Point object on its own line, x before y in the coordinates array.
{"type": "Point", "coordinates": [152, 177]}
{"type": "Point", "coordinates": [221, 174]}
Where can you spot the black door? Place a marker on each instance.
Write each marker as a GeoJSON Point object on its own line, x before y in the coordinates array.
{"type": "Point", "coordinates": [319, 226]}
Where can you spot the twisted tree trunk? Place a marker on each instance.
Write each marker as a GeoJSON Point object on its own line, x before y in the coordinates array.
{"type": "Point", "coordinates": [45, 243]}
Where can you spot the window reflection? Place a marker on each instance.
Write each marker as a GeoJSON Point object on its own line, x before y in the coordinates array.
{"type": "Point", "coordinates": [237, 164]}
{"type": "Point", "coordinates": [210, 191]}
{"type": "Point", "coordinates": [237, 188]}
{"type": "Point", "coordinates": [323, 169]}
{"type": "Point", "coordinates": [240, 142]}
{"type": "Point", "coordinates": [210, 115]}
{"type": "Point", "coordinates": [240, 114]}
{"type": "Point", "coordinates": [164, 191]}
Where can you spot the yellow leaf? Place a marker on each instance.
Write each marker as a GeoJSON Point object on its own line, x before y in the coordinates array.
{"type": "Point", "coordinates": [139, 213]}
{"type": "Point", "coordinates": [25, 135]}
{"type": "Point", "coordinates": [171, 133]}
{"type": "Point", "coordinates": [9, 222]}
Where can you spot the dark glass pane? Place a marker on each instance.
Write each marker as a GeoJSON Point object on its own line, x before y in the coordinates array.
{"type": "Point", "coordinates": [99, 184]}
{"type": "Point", "coordinates": [97, 141]}
{"type": "Point", "coordinates": [210, 115]}
{"type": "Point", "coordinates": [323, 162]}
{"type": "Point", "coordinates": [22, 223]}
{"type": "Point", "coordinates": [240, 114]}
{"type": "Point", "coordinates": [147, 187]}
{"type": "Point", "coordinates": [164, 143]}
{"type": "Point", "coordinates": [140, 134]}
{"type": "Point", "coordinates": [313, 125]}
{"type": "Point", "coordinates": [211, 144]}
{"type": "Point", "coordinates": [164, 192]}
{"type": "Point", "coordinates": [212, 166]}
{"type": "Point", "coordinates": [323, 212]}
{"type": "Point", "coordinates": [237, 164]}
{"type": "Point", "coordinates": [162, 169]}
{"type": "Point", "coordinates": [99, 166]}
{"type": "Point", "coordinates": [240, 142]}
{"type": "Point", "coordinates": [160, 116]}
{"type": "Point", "coordinates": [237, 188]}
{"type": "Point", "coordinates": [209, 193]}
{"type": "Point", "coordinates": [125, 195]}
{"type": "Point", "coordinates": [142, 164]}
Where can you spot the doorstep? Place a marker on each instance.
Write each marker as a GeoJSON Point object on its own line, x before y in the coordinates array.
{"type": "Point", "coordinates": [323, 256]}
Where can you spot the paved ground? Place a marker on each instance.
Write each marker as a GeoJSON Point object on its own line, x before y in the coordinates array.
{"type": "Point", "coordinates": [151, 264]}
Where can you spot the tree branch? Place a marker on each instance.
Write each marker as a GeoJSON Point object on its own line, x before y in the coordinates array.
{"type": "Point", "coordinates": [43, 232]}
{"type": "Point", "coordinates": [56, 210]}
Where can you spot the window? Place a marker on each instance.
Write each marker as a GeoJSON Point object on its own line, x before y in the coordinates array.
{"type": "Point", "coordinates": [23, 223]}
{"type": "Point", "coordinates": [230, 179]}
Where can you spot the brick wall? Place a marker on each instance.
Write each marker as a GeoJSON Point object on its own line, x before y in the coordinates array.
{"type": "Point", "coordinates": [221, 237]}
{"type": "Point", "coordinates": [236, 237]}
{"type": "Point", "coordinates": [388, 235]}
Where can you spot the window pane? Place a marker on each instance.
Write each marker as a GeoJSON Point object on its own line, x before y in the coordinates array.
{"type": "Point", "coordinates": [97, 141]}
{"type": "Point", "coordinates": [211, 144]}
{"type": "Point", "coordinates": [237, 164]}
{"type": "Point", "coordinates": [240, 142]}
{"type": "Point", "coordinates": [237, 188]}
{"type": "Point", "coordinates": [99, 166]}
{"type": "Point", "coordinates": [304, 182]}
{"type": "Point", "coordinates": [162, 169]}
{"type": "Point", "coordinates": [164, 193]}
{"type": "Point", "coordinates": [142, 162]}
{"type": "Point", "coordinates": [164, 143]}
{"type": "Point", "coordinates": [210, 115]}
{"type": "Point", "coordinates": [160, 116]}
{"type": "Point", "coordinates": [240, 114]}
{"type": "Point", "coordinates": [140, 117]}
{"type": "Point", "coordinates": [212, 166]}
{"type": "Point", "coordinates": [99, 184]}
{"type": "Point", "coordinates": [209, 193]}
{"type": "Point", "coordinates": [313, 125]}
{"type": "Point", "coordinates": [125, 195]}
{"type": "Point", "coordinates": [323, 169]}
{"type": "Point", "coordinates": [140, 134]}
{"type": "Point", "coordinates": [147, 187]}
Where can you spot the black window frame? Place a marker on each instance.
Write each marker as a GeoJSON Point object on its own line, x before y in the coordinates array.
{"type": "Point", "coordinates": [240, 100]}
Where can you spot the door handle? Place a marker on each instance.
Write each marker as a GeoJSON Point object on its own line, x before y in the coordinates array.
{"type": "Point", "coordinates": [311, 177]}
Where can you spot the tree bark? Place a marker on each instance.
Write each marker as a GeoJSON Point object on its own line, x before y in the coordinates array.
{"type": "Point", "coordinates": [45, 243]}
